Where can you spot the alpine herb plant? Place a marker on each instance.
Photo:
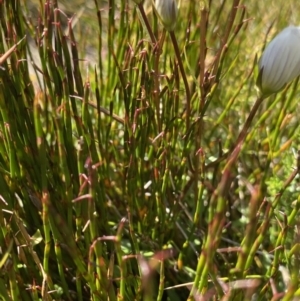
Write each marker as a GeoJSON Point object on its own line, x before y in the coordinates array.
{"type": "Point", "coordinates": [149, 150]}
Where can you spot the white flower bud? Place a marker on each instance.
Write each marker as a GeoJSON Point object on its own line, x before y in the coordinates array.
{"type": "Point", "coordinates": [167, 12]}
{"type": "Point", "coordinates": [280, 62]}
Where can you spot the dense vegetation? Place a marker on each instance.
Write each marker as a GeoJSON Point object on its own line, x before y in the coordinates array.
{"type": "Point", "coordinates": [124, 170]}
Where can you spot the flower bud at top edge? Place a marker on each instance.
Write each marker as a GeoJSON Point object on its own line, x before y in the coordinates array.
{"type": "Point", "coordinates": [167, 12]}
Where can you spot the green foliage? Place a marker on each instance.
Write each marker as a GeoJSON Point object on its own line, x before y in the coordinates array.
{"type": "Point", "coordinates": [132, 166]}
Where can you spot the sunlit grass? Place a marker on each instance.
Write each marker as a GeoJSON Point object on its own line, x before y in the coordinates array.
{"type": "Point", "coordinates": [120, 182]}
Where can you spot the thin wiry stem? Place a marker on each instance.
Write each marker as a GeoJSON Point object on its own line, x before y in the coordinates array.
{"type": "Point", "coordinates": [185, 81]}
{"type": "Point", "coordinates": [146, 23]}
{"type": "Point", "coordinates": [235, 150]}
{"type": "Point", "coordinates": [244, 132]}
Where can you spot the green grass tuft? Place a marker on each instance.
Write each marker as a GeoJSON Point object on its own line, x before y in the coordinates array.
{"type": "Point", "coordinates": [140, 164]}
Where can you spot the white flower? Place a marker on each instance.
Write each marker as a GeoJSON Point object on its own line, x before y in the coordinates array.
{"type": "Point", "coordinates": [167, 12]}
{"type": "Point", "coordinates": [280, 62]}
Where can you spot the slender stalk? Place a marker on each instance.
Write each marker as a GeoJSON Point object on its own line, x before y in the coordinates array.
{"type": "Point", "coordinates": [203, 48]}
{"type": "Point", "coordinates": [146, 23]}
{"type": "Point", "coordinates": [161, 281]}
{"type": "Point", "coordinates": [236, 149]}
{"type": "Point", "coordinates": [229, 26]}
{"type": "Point", "coordinates": [157, 51]}
{"type": "Point", "coordinates": [250, 232]}
{"type": "Point", "coordinates": [185, 81]}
